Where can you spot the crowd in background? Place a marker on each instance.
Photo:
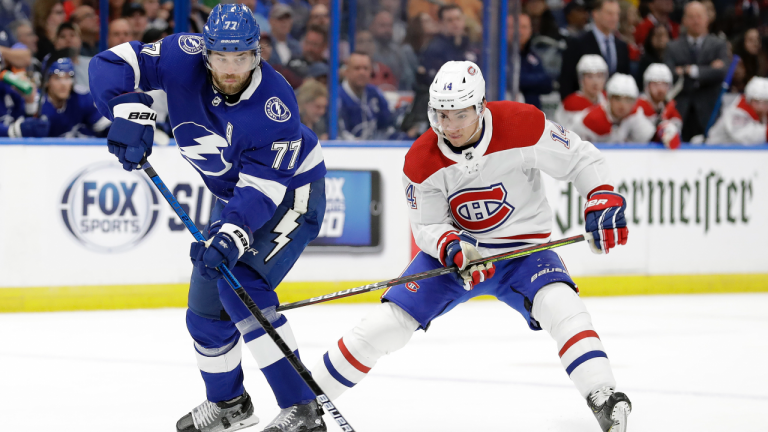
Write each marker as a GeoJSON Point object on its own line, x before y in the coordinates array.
{"type": "Point", "coordinates": [399, 45]}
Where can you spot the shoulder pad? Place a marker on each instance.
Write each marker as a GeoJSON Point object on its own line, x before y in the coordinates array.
{"type": "Point", "coordinates": [597, 121]}
{"type": "Point", "coordinates": [748, 108]}
{"type": "Point", "coordinates": [425, 158]}
{"type": "Point", "coordinates": [576, 102]}
{"type": "Point", "coordinates": [515, 125]}
{"type": "Point", "coordinates": [644, 106]}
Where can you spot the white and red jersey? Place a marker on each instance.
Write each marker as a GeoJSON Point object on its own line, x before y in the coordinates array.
{"type": "Point", "coordinates": [493, 189]}
{"type": "Point", "coordinates": [597, 125]}
{"type": "Point", "coordinates": [660, 112]}
{"type": "Point", "coordinates": [573, 105]}
{"type": "Point", "coordinates": [738, 124]}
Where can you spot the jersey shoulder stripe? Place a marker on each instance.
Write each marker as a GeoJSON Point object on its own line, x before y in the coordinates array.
{"type": "Point", "coordinates": [645, 106]}
{"type": "Point", "coordinates": [515, 125]}
{"type": "Point", "coordinates": [576, 102]}
{"type": "Point", "coordinates": [425, 158]}
{"type": "Point", "coordinates": [747, 108]}
{"type": "Point", "coordinates": [597, 121]}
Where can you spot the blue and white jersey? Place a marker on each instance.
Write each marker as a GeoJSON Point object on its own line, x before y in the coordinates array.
{"type": "Point", "coordinates": [367, 118]}
{"type": "Point", "coordinates": [249, 153]}
{"type": "Point", "coordinates": [77, 118]}
{"type": "Point", "coordinates": [11, 107]}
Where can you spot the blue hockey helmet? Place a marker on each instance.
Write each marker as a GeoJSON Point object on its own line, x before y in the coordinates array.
{"type": "Point", "coordinates": [232, 28]}
{"type": "Point", "coordinates": [61, 67]}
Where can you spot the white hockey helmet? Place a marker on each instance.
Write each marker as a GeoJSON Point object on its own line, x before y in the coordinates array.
{"type": "Point", "coordinates": [457, 85]}
{"type": "Point", "coordinates": [657, 72]}
{"type": "Point", "coordinates": [757, 89]}
{"type": "Point", "coordinates": [622, 85]}
{"type": "Point", "coordinates": [591, 63]}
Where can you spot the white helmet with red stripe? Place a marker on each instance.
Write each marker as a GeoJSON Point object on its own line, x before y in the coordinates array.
{"type": "Point", "coordinates": [457, 85]}
{"type": "Point", "coordinates": [657, 72]}
{"type": "Point", "coordinates": [591, 63]}
{"type": "Point", "coordinates": [622, 85]}
{"type": "Point", "coordinates": [756, 89]}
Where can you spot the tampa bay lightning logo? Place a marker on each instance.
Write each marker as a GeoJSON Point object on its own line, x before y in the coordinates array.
{"type": "Point", "coordinates": [276, 110]}
{"type": "Point", "coordinates": [202, 148]}
{"type": "Point", "coordinates": [191, 44]}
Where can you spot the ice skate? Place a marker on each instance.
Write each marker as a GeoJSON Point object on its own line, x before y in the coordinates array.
{"type": "Point", "coordinates": [298, 418]}
{"type": "Point", "coordinates": [611, 409]}
{"type": "Point", "coordinates": [231, 415]}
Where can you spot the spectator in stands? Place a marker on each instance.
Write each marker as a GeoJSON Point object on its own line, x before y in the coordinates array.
{"type": "Point", "coordinates": [312, 98]}
{"type": "Point", "coordinates": [68, 36]}
{"type": "Point", "coordinates": [284, 46]}
{"type": "Point", "coordinates": [137, 17]}
{"type": "Point", "coordinates": [701, 59]}
{"type": "Point", "coordinates": [47, 16]}
{"type": "Point", "coordinates": [653, 50]}
{"type": "Point", "coordinates": [657, 81]}
{"type": "Point", "coordinates": [629, 18]}
{"type": "Point", "coordinates": [88, 22]}
{"type": "Point", "coordinates": [399, 27]}
{"type": "Point", "coordinates": [576, 18]}
{"type": "Point", "coordinates": [268, 54]}
{"type": "Point", "coordinates": [421, 29]}
{"type": "Point", "coordinates": [391, 54]}
{"type": "Point", "coordinates": [364, 113]}
{"type": "Point", "coordinates": [22, 32]}
{"type": "Point", "coordinates": [617, 121]}
{"type": "Point", "coordinates": [542, 20]}
{"type": "Point", "coordinates": [157, 17]}
{"type": "Point", "coordinates": [115, 9]}
{"type": "Point", "coordinates": [745, 121]}
{"type": "Point", "coordinates": [381, 75]}
{"type": "Point", "coordinates": [319, 72]}
{"type": "Point", "coordinates": [312, 47]}
{"type": "Point", "coordinates": [534, 80]}
{"type": "Point", "coordinates": [752, 59]}
{"type": "Point", "coordinates": [451, 44]}
{"type": "Point", "coordinates": [319, 16]}
{"type": "Point", "coordinates": [119, 32]}
{"type": "Point", "coordinates": [592, 72]}
{"type": "Point", "coordinates": [601, 41]}
{"type": "Point", "coordinates": [13, 10]}
{"type": "Point", "coordinates": [70, 110]}
{"type": "Point", "coordinates": [659, 14]}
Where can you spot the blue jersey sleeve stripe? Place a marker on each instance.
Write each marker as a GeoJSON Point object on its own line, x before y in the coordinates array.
{"type": "Point", "coordinates": [125, 51]}
{"type": "Point", "coordinates": [272, 189]}
{"type": "Point", "coordinates": [313, 159]}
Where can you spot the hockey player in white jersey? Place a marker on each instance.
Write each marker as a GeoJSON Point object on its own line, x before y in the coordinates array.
{"type": "Point", "coordinates": [473, 189]}
{"type": "Point", "coordinates": [657, 80]}
{"type": "Point", "coordinates": [593, 72]}
{"type": "Point", "coordinates": [616, 121]}
{"type": "Point", "coordinates": [745, 121]}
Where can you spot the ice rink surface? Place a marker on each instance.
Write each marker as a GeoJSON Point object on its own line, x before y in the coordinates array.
{"type": "Point", "coordinates": [688, 363]}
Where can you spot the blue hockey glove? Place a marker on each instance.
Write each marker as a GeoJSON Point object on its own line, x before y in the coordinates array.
{"type": "Point", "coordinates": [459, 248]}
{"type": "Point", "coordinates": [604, 216]}
{"type": "Point", "coordinates": [226, 245]}
{"type": "Point", "coordinates": [132, 133]}
{"type": "Point", "coordinates": [29, 127]}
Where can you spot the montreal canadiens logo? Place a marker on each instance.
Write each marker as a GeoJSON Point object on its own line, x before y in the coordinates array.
{"type": "Point", "coordinates": [276, 110]}
{"type": "Point", "coordinates": [202, 148]}
{"type": "Point", "coordinates": [471, 70]}
{"type": "Point", "coordinates": [480, 210]}
{"type": "Point", "coordinates": [412, 286]}
{"type": "Point", "coordinates": [191, 44]}
{"type": "Point", "coordinates": [109, 209]}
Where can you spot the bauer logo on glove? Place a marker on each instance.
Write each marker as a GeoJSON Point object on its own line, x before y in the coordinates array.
{"type": "Point", "coordinates": [606, 225]}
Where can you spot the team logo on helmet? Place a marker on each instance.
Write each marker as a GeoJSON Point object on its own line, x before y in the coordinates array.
{"type": "Point", "coordinates": [471, 70]}
{"type": "Point", "coordinates": [191, 44]}
{"type": "Point", "coordinates": [480, 210]}
{"type": "Point", "coordinates": [276, 110]}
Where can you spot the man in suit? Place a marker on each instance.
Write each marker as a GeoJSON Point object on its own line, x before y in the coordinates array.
{"type": "Point", "coordinates": [700, 59]}
{"type": "Point", "coordinates": [601, 41]}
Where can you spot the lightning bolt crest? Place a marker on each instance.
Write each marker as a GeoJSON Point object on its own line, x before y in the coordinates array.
{"type": "Point", "coordinates": [211, 144]}
{"type": "Point", "coordinates": [286, 226]}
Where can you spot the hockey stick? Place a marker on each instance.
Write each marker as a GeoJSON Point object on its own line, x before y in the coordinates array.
{"type": "Point", "coordinates": [726, 86]}
{"type": "Point", "coordinates": [324, 401]}
{"type": "Point", "coordinates": [432, 273]}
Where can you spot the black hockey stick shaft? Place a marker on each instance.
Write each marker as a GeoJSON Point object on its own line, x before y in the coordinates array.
{"type": "Point", "coordinates": [322, 399]}
{"type": "Point", "coordinates": [430, 273]}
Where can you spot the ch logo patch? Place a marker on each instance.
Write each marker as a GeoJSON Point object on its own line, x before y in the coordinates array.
{"type": "Point", "coordinates": [191, 44]}
{"type": "Point", "coordinates": [480, 210]}
{"type": "Point", "coordinates": [412, 286]}
{"type": "Point", "coordinates": [276, 110]}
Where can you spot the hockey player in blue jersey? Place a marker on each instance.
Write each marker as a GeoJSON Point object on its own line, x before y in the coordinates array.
{"type": "Point", "coordinates": [13, 123]}
{"type": "Point", "coordinates": [68, 108]}
{"type": "Point", "coordinates": [237, 122]}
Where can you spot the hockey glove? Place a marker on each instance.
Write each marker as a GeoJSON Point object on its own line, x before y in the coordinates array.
{"type": "Point", "coordinates": [132, 133]}
{"type": "Point", "coordinates": [669, 134]}
{"type": "Point", "coordinates": [461, 248]}
{"type": "Point", "coordinates": [226, 244]}
{"type": "Point", "coordinates": [29, 127]}
{"type": "Point", "coordinates": [604, 216]}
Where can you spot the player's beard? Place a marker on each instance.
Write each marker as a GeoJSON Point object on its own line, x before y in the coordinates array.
{"type": "Point", "coordinates": [230, 88]}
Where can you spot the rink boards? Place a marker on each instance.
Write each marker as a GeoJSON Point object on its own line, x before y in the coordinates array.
{"type": "Point", "coordinates": [81, 233]}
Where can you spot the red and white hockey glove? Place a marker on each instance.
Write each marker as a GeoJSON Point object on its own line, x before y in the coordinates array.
{"type": "Point", "coordinates": [459, 248]}
{"type": "Point", "coordinates": [669, 135]}
{"type": "Point", "coordinates": [604, 216]}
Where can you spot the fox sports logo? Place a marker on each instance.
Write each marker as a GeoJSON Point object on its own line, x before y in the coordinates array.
{"type": "Point", "coordinates": [109, 209]}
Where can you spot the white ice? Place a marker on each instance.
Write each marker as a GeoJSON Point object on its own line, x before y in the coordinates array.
{"type": "Point", "coordinates": [688, 363]}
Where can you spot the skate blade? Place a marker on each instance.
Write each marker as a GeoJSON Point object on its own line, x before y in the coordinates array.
{"type": "Point", "coordinates": [619, 416]}
{"type": "Point", "coordinates": [246, 423]}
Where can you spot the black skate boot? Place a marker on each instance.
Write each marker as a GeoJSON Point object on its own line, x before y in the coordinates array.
{"type": "Point", "coordinates": [231, 415]}
{"type": "Point", "coordinates": [299, 418]}
{"type": "Point", "coordinates": [610, 409]}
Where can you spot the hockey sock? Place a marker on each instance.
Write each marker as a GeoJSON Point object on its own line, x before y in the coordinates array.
{"type": "Point", "coordinates": [288, 386]}
{"type": "Point", "coordinates": [385, 330]}
{"type": "Point", "coordinates": [560, 311]}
